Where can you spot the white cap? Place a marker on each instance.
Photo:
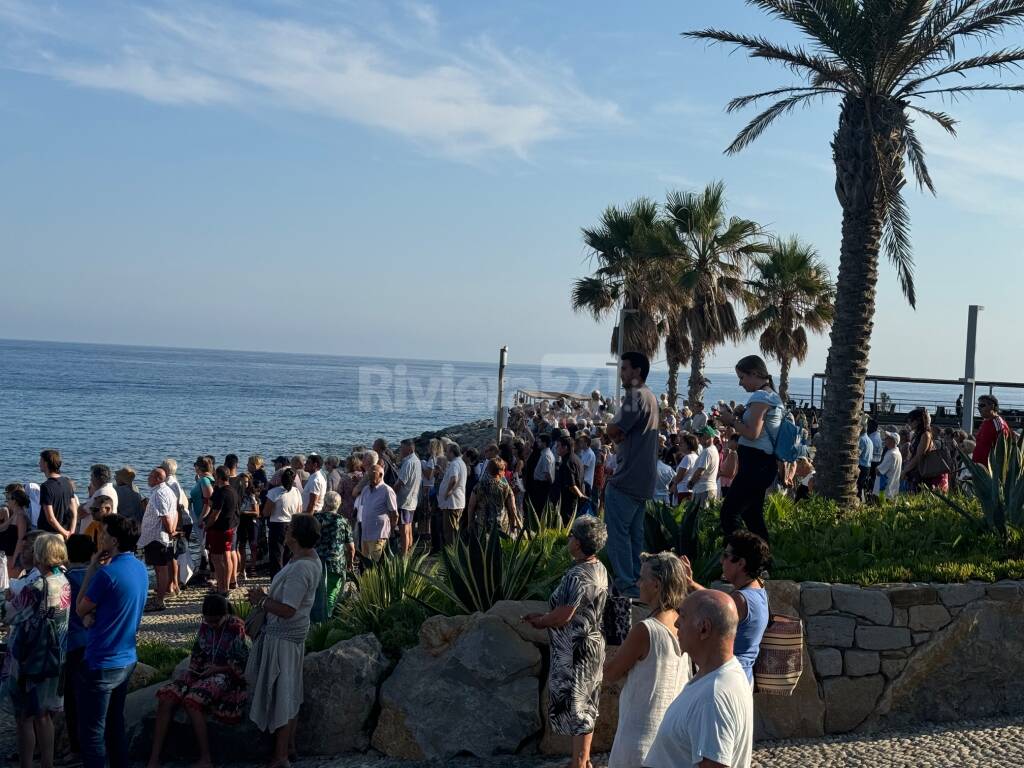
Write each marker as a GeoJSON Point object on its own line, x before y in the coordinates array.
{"type": "Point", "coordinates": [894, 436]}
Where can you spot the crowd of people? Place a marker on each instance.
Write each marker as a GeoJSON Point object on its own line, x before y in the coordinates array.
{"type": "Point", "coordinates": [74, 589]}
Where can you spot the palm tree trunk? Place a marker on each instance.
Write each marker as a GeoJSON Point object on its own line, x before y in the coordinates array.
{"type": "Point", "coordinates": [784, 365]}
{"type": "Point", "coordinates": [672, 386]}
{"type": "Point", "coordinates": [695, 393]}
{"type": "Point", "coordinates": [859, 190]}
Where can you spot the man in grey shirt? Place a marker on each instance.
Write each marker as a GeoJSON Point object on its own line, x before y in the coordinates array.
{"type": "Point", "coordinates": [635, 431]}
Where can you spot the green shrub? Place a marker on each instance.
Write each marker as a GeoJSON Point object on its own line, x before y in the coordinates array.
{"type": "Point", "coordinates": [400, 626]}
{"type": "Point", "coordinates": [161, 656]}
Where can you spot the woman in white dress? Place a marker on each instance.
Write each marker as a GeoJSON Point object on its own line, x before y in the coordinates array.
{"type": "Point", "coordinates": [274, 670]}
{"type": "Point", "coordinates": [650, 658]}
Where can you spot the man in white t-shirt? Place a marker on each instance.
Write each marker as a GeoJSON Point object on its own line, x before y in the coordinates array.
{"type": "Point", "coordinates": [711, 723]}
{"type": "Point", "coordinates": [589, 461]}
{"type": "Point", "coordinates": [315, 488]}
{"type": "Point", "coordinates": [699, 420]}
{"type": "Point", "coordinates": [407, 490]}
{"type": "Point", "coordinates": [451, 495]}
{"type": "Point", "coordinates": [704, 480]}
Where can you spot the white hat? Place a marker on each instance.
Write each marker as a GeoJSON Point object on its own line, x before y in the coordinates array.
{"type": "Point", "coordinates": [894, 436]}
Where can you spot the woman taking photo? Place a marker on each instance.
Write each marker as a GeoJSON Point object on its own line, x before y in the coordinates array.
{"type": "Point", "coordinates": [274, 669]}
{"type": "Point", "coordinates": [757, 430]}
{"type": "Point", "coordinates": [577, 645]}
{"type": "Point", "coordinates": [655, 667]}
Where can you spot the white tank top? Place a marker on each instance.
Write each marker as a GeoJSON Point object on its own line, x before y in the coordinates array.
{"type": "Point", "coordinates": [651, 685]}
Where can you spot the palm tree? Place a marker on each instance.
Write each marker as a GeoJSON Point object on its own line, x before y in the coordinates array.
{"type": "Point", "coordinates": [789, 294]}
{"type": "Point", "coordinates": [629, 248]}
{"type": "Point", "coordinates": [882, 59]}
{"type": "Point", "coordinates": [712, 251]}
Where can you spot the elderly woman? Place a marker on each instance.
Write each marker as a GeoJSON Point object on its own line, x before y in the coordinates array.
{"type": "Point", "coordinates": [213, 684]}
{"type": "Point", "coordinates": [36, 610]}
{"type": "Point", "coordinates": [274, 670]}
{"type": "Point", "coordinates": [655, 667]}
{"type": "Point", "coordinates": [577, 645]}
{"type": "Point", "coordinates": [337, 549]}
{"type": "Point", "coordinates": [493, 502]}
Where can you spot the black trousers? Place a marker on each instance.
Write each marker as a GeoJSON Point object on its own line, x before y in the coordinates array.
{"type": "Point", "coordinates": [275, 533]}
{"type": "Point", "coordinates": [745, 502]}
{"type": "Point", "coordinates": [540, 495]}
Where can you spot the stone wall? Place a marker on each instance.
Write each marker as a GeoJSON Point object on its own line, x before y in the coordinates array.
{"type": "Point", "coordinates": [896, 654]}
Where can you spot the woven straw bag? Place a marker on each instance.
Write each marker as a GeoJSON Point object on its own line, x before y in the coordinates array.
{"type": "Point", "coordinates": [780, 659]}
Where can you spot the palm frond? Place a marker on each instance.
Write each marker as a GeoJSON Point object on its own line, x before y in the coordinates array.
{"type": "Point", "coordinates": [959, 90]}
{"type": "Point", "coordinates": [759, 124]}
{"type": "Point", "coordinates": [915, 154]}
{"type": "Point", "coordinates": [896, 236]}
{"type": "Point", "coordinates": [1004, 60]}
{"type": "Point", "coordinates": [594, 295]}
{"type": "Point", "coordinates": [947, 122]}
{"type": "Point", "coordinates": [753, 98]}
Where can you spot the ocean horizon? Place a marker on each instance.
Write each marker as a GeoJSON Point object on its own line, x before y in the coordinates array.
{"type": "Point", "coordinates": [121, 404]}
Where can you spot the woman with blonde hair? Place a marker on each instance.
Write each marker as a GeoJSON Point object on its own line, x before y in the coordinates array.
{"type": "Point", "coordinates": [38, 617]}
{"type": "Point", "coordinates": [655, 667]}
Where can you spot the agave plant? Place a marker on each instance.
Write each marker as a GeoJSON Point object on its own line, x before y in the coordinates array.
{"type": "Point", "coordinates": [393, 579]}
{"type": "Point", "coordinates": [477, 573]}
{"type": "Point", "coordinates": [998, 486]}
{"type": "Point", "coordinates": [679, 530]}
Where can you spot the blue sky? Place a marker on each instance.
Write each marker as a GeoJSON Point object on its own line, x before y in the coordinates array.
{"type": "Point", "coordinates": [409, 179]}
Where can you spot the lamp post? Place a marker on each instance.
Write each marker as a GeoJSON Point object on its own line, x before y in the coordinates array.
{"type": "Point", "coordinates": [499, 416]}
{"type": "Point", "coordinates": [967, 413]}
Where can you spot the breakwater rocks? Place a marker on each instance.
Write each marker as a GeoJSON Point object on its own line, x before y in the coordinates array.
{"type": "Point", "coordinates": [472, 434]}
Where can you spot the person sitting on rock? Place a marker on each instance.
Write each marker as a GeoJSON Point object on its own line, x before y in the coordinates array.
{"type": "Point", "coordinates": [214, 683]}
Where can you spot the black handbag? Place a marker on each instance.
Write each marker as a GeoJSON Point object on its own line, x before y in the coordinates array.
{"type": "Point", "coordinates": [617, 618]}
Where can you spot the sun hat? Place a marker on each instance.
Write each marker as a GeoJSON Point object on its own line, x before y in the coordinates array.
{"type": "Point", "coordinates": [708, 432]}
{"type": "Point", "coordinates": [124, 475]}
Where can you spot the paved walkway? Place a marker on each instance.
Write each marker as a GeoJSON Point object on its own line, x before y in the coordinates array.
{"type": "Point", "coordinates": [178, 624]}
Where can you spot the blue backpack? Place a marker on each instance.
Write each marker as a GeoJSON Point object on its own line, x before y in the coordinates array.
{"type": "Point", "coordinates": [787, 439]}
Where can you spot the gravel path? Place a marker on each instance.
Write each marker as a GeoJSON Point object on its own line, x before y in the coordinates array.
{"type": "Point", "coordinates": [178, 624]}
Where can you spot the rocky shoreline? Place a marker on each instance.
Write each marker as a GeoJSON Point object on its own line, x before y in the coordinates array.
{"type": "Point", "coordinates": [472, 434]}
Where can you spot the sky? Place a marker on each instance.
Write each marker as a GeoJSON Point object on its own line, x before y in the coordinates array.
{"type": "Point", "coordinates": [409, 179]}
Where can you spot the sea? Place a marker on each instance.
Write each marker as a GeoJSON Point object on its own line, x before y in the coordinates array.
{"type": "Point", "coordinates": [117, 405]}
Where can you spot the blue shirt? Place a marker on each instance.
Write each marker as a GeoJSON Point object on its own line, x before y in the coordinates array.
{"type": "Point", "coordinates": [119, 592]}
{"type": "Point", "coordinates": [772, 421]}
{"type": "Point", "coordinates": [867, 450]}
{"type": "Point", "coordinates": [747, 644]}
{"type": "Point", "coordinates": [77, 633]}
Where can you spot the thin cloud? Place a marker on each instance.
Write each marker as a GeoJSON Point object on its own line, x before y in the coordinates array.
{"type": "Point", "coordinates": [478, 99]}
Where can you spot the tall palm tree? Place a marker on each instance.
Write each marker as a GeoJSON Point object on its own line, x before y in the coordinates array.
{"type": "Point", "coordinates": [882, 59]}
{"type": "Point", "coordinates": [789, 294]}
{"type": "Point", "coordinates": [712, 253]}
{"type": "Point", "coordinates": [628, 246]}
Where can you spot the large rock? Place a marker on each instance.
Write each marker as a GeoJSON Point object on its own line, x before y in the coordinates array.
{"type": "Point", "coordinates": [340, 691]}
{"type": "Point", "coordinates": [869, 604]}
{"type": "Point", "coordinates": [512, 612]}
{"type": "Point", "coordinates": [803, 713]}
{"type": "Point", "coordinates": [143, 676]}
{"type": "Point", "coordinates": [849, 701]}
{"type": "Point", "coordinates": [479, 695]}
{"type": "Point", "coordinates": [228, 743]}
{"type": "Point", "coordinates": [970, 668]}
{"type": "Point", "coordinates": [437, 633]}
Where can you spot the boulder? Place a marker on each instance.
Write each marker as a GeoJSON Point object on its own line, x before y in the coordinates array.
{"type": "Point", "coordinates": [850, 700]}
{"type": "Point", "coordinates": [478, 695]}
{"type": "Point", "coordinates": [836, 631]}
{"type": "Point", "coordinates": [512, 612]}
{"type": "Point", "coordinates": [971, 667]}
{"type": "Point", "coordinates": [228, 743]}
{"type": "Point", "coordinates": [340, 691]}
{"type": "Point", "coordinates": [143, 676]}
{"type": "Point", "coordinates": [437, 633]}
{"type": "Point", "coordinates": [870, 604]}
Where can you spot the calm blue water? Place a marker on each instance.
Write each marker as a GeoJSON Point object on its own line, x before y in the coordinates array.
{"type": "Point", "coordinates": [137, 405]}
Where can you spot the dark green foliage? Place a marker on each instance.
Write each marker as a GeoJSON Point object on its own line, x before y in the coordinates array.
{"type": "Point", "coordinates": [161, 656]}
{"type": "Point", "coordinates": [997, 486]}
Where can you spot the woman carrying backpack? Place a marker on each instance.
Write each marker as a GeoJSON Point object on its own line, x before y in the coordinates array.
{"type": "Point", "coordinates": [758, 429]}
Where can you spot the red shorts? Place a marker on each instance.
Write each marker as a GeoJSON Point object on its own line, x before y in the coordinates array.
{"type": "Point", "coordinates": [220, 542]}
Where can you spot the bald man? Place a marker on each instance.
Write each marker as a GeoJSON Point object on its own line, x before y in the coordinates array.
{"type": "Point", "coordinates": [711, 723]}
{"type": "Point", "coordinates": [158, 523]}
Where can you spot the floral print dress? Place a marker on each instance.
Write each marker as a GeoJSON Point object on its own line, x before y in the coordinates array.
{"type": "Point", "coordinates": [577, 650]}
{"type": "Point", "coordinates": [223, 694]}
{"type": "Point", "coordinates": [491, 496]}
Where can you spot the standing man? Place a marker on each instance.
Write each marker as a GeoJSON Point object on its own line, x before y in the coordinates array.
{"type": "Point", "coordinates": [129, 500]}
{"type": "Point", "coordinates": [113, 595]}
{"type": "Point", "coordinates": [865, 452]}
{"type": "Point", "coordinates": [635, 433]}
{"type": "Point", "coordinates": [58, 505]}
{"type": "Point", "coordinates": [704, 481]}
{"type": "Point", "coordinates": [378, 514]}
{"type": "Point", "coordinates": [711, 723]}
{"type": "Point", "coordinates": [221, 525]}
{"type": "Point", "coordinates": [451, 496]}
{"type": "Point", "coordinates": [699, 420]}
{"type": "Point", "coordinates": [992, 427]}
{"type": "Point", "coordinates": [407, 489]}
{"type": "Point", "coordinates": [315, 489]}
{"type": "Point", "coordinates": [159, 522]}
{"type": "Point", "coordinates": [887, 479]}
{"type": "Point", "coordinates": [589, 461]}
{"type": "Point", "coordinates": [568, 488]}
{"type": "Point", "coordinates": [543, 475]}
